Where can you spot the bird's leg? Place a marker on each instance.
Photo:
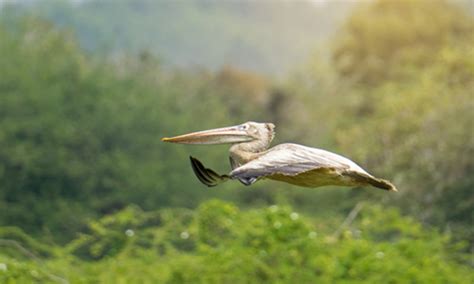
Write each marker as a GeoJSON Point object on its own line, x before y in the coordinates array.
{"type": "Point", "coordinates": [244, 181]}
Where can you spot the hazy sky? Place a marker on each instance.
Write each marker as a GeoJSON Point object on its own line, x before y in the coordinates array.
{"type": "Point", "coordinates": [317, 2]}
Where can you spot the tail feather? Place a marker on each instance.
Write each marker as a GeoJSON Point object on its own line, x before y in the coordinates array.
{"type": "Point", "coordinates": [373, 181]}
{"type": "Point", "coordinates": [381, 183]}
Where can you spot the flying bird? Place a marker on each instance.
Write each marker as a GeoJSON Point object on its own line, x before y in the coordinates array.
{"type": "Point", "coordinates": [252, 160]}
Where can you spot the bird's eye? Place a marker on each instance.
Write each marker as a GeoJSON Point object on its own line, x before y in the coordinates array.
{"type": "Point", "coordinates": [243, 127]}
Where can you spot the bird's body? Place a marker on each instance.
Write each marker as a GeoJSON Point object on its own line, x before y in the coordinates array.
{"type": "Point", "coordinates": [251, 160]}
{"type": "Point", "coordinates": [300, 165]}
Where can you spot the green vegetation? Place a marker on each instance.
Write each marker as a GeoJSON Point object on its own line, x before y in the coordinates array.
{"type": "Point", "coordinates": [88, 193]}
{"type": "Point", "coordinates": [218, 243]}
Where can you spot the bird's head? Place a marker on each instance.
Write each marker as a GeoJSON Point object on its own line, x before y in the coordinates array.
{"type": "Point", "coordinates": [249, 132]}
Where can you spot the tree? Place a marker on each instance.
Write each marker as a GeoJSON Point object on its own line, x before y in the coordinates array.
{"type": "Point", "coordinates": [382, 40]}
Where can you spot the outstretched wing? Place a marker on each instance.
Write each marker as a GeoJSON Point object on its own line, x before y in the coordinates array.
{"type": "Point", "coordinates": [295, 164]}
{"type": "Point", "coordinates": [291, 160]}
{"type": "Point", "coordinates": [205, 175]}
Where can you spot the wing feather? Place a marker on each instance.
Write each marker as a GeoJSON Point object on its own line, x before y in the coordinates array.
{"type": "Point", "coordinates": [206, 175]}
{"type": "Point", "coordinates": [293, 159]}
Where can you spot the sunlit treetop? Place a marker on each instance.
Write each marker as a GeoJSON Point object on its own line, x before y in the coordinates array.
{"type": "Point", "coordinates": [383, 35]}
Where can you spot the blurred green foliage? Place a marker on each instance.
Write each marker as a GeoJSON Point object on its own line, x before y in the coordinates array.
{"type": "Point", "coordinates": [402, 35]}
{"type": "Point", "coordinates": [85, 137]}
{"type": "Point", "coordinates": [218, 243]}
{"type": "Point", "coordinates": [80, 142]}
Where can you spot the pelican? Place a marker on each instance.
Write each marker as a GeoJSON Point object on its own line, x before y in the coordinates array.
{"type": "Point", "coordinates": [252, 160]}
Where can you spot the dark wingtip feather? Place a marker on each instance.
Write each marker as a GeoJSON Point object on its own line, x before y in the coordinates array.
{"type": "Point", "coordinates": [199, 171]}
{"type": "Point", "coordinates": [206, 176]}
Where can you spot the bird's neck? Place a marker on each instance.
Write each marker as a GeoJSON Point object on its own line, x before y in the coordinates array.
{"type": "Point", "coordinates": [246, 152]}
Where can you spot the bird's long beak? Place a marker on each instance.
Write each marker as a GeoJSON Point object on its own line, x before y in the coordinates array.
{"type": "Point", "coordinates": [214, 136]}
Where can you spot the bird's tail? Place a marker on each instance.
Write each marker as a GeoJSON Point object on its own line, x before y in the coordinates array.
{"type": "Point", "coordinates": [381, 183]}
{"type": "Point", "coordinates": [373, 181]}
